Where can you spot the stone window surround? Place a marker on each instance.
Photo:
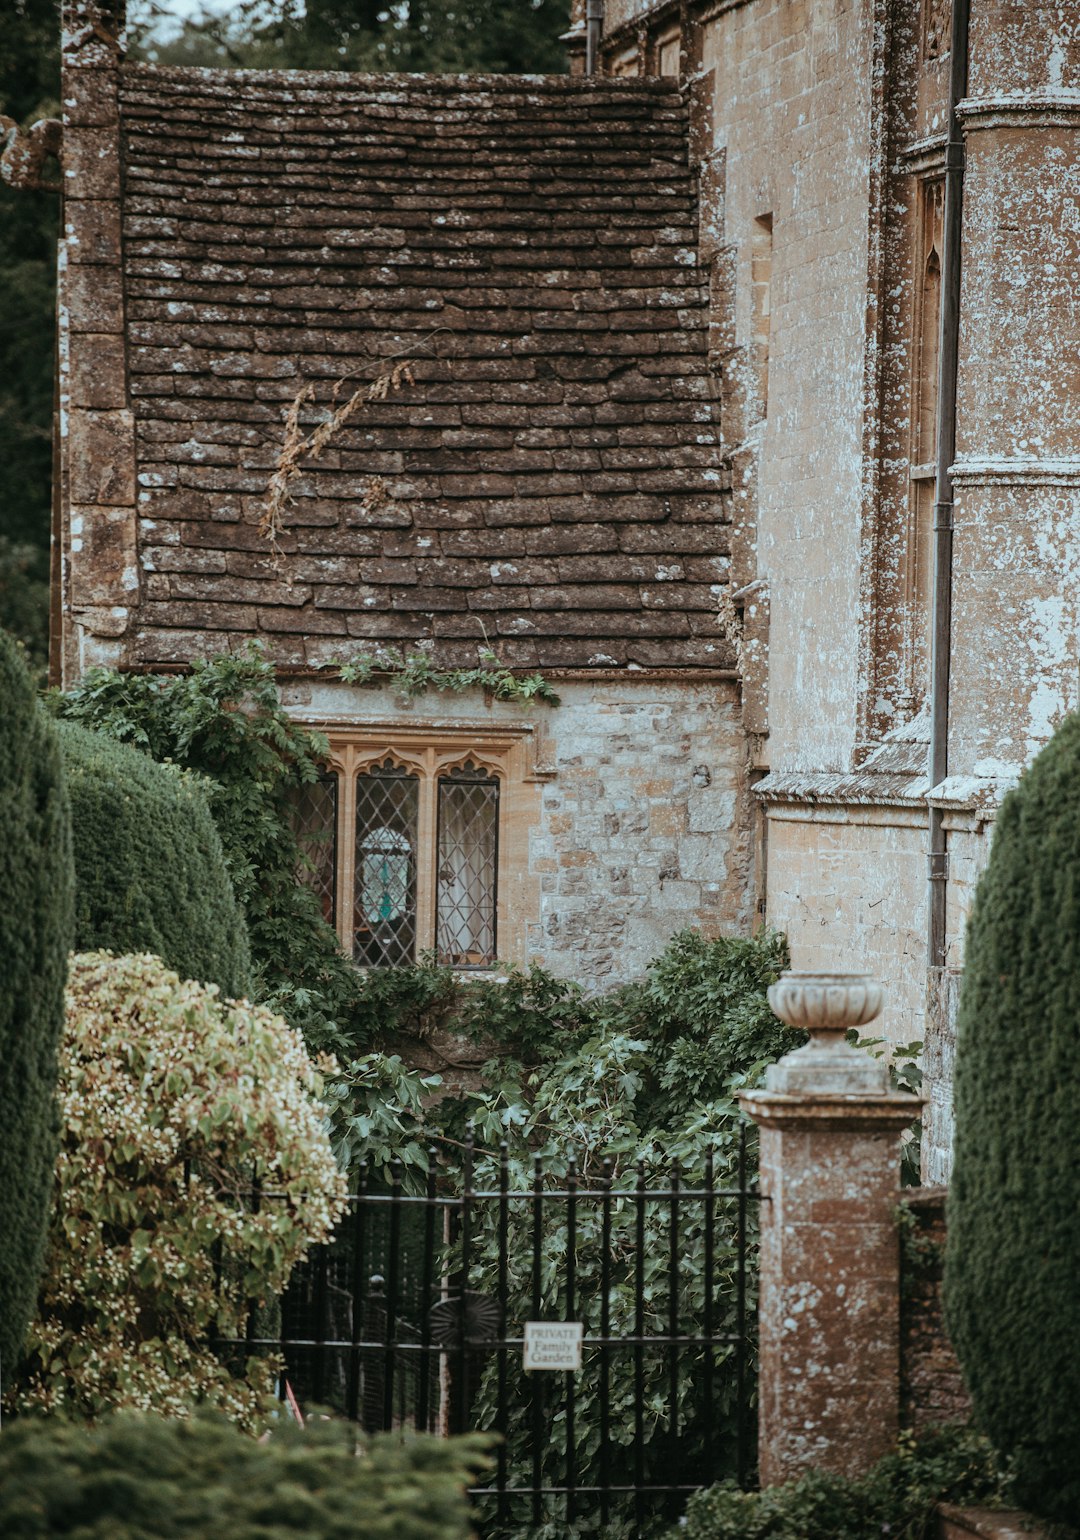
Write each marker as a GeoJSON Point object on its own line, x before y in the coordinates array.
{"type": "Point", "coordinates": [507, 752]}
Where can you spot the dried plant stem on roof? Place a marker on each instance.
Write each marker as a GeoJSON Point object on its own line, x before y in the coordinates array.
{"type": "Point", "coordinates": [298, 446]}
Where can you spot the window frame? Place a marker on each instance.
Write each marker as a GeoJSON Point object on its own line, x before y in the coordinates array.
{"type": "Point", "coordinates": [508, 755]}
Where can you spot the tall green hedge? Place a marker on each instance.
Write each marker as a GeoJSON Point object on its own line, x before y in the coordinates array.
{"type": "Point", "coordinates": [150, 875]}
{"type": "Point", "coordinates": [146, 1478]}
{"type": "Point", "coordinates": [35, 938]}
{"type": "Point", "coordinates": [1012, 1276]}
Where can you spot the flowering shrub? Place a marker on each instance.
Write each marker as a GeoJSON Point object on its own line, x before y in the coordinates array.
{"type": "Point", "coordinates": [171, 1101]}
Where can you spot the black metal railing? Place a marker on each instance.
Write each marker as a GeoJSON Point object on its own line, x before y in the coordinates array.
{"type": "Point", "coordinates": [414, 1315]}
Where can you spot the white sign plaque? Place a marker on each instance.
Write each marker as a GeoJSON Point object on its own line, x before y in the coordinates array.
{"type": "Point", "coordinates": [553, 1345]}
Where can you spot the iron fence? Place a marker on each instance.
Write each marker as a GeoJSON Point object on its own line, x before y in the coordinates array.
{"type": "Point", "coordinates": [416, 1315]}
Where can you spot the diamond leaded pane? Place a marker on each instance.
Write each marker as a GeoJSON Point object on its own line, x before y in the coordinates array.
{"type": "Point", "coordinates": [468, 855]}
{"type": "Point", "coordinates": [315, 822]}
{"type": "Point", "coordinates": [384, 903]}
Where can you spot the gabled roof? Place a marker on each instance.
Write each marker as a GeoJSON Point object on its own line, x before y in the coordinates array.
{"type": "Point", "coordinates": [550, 478]}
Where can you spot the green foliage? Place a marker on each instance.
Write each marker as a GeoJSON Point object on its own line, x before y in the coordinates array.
{"type": "Point", "coordinates": [650, 1071]}
{"type": "Point", "coordinates": [413, 673]}
{"type": "Point", "coordinates": [36, 883]}
{"type": "Point", "coordinates": [225, 721]}
{"type": "Point", "coordinates": [896, 1498]}
{"type": "Point", "coordinates": [905, 1074]}
{"type": "Point", "coordinates": [1013, 1255]}
{"type": "Point", "coordinates": [150, 874]}
{"type": "Point", "coordinates": [146, 1478]}
{"type": "Point", "coordinates": [478, 37]}
{"type": "Point", "coordinates": [172, 1101]}
{"type": "Point", "coordinates": [24, 598]}
{"type": "Point", "coordinates": [703, 1014]}
{"type": "Point", "coordinates": [650, 1074]}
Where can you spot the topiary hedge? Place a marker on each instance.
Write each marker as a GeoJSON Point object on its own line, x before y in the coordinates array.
{"type": "Point", "coordinates": [145, 1478]}
{"type": "Point", "coordinates": [150, 874]}
{"type": "Point", "coordinates": [35, 937]}
{"type": "Point", "coordinates": [225, 721]}
{"type": "Point", "coordinates": [1013, 1256]}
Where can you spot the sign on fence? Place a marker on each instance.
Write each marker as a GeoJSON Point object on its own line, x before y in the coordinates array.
{"type": "Point", "coordinates": [553, 1345]}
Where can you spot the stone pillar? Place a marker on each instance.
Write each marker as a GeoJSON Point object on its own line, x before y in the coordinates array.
{"type": "Point", "coordinates": [96, 424]}
{"type": "Point", "coordinates": [829, 1393]}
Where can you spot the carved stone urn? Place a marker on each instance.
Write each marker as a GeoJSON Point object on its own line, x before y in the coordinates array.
{"type": "Point", "coordinates": [826, 1005]}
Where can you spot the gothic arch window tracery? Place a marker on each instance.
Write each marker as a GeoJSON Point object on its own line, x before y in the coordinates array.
{"type": "Point", "coordinates": [403, 844]}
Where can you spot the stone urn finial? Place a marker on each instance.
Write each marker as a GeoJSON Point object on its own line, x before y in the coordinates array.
{"type": "Point", "coordinates": [826, 1005]}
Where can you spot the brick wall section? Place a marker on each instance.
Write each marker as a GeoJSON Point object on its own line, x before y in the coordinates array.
{"type": "Point", "coordinates": [931, 1384]}
{"type": "Point", "coordinates": [553, 477]}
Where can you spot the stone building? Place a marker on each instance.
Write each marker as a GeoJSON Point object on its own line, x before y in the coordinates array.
{"type": "Point", "coordinates": [671, 432]}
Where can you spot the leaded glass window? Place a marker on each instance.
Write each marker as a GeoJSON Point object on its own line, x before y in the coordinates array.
{"type": "Point", "coordinates": [384, 904]}
{"type": "Point", "coordinates": [408, 840]}
{"type": "Point", "coordinates": [468, 817]}
{"type": "Point", "coordinates": [315, 822]}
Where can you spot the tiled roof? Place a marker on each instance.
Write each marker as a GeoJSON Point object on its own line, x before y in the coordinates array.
{"type": "Point", "coordinates": [552, 477]}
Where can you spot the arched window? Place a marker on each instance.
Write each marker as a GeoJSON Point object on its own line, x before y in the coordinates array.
{"type": "Point", "coordinates": [465, 897]}
{"type": "Point", "coordinates": [402, 841]}
{"type": "Point", "coordinates": [384, 904]}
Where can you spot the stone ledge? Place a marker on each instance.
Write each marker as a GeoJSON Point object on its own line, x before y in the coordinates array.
{"type": "Point", "coordinates": [986, 1524]}
{"type": "Point", "coordinates": [863, 1112]}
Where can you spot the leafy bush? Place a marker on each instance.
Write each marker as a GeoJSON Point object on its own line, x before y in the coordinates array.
{"type": "Point", "coordinates": [896, 1498]}
{"type": "Point", "coordinates": [150, 874]}
{"type": "Point", "coordinates": [225, 720]}
{"type": "Point", "coordinates": [1013, 1255]}
{"type": "Point", "coordinates": [651, 1072]}
{"type": "Point", "coordinates": [171, 1101]}
{"type": "Point", "coordinates": [36, 883]}
{"type": "Point", "coordinates": [145, 1478]}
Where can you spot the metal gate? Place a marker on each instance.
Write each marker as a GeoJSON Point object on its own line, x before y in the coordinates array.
{"type": "Point", "coordinates": [415, 1316]}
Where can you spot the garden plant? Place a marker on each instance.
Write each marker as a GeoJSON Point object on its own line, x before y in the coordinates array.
{"type": "Point", "coordinates": [150, 873]}
{"type": "Point", "coordinates": [149, 1478]}
{"type": "Point", "coordinates": [895, 1500]}
{"type": "Point", "coordinates": [36, 881]}
{"type": "Point", "coordinates": [172, 1103]}
{"type": "Point", "coordinates": [1013, 1254]}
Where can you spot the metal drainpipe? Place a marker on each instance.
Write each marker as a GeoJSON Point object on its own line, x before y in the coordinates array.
{"type": "Point", "coordinates": [941, 641]}
{"type": "Point", "coordinates": [594, 23]}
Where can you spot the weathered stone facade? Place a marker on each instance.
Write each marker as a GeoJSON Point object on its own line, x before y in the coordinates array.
{"type": "Point", "coordinates": [671, 431]}
{"type": "Point", "coordinates": [630, 821]}
{"type": "Point", "coordinates": [821, 131]}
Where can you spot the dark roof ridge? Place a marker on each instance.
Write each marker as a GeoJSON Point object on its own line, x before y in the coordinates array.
{"type": "Point", "coordinates": [390, 81]}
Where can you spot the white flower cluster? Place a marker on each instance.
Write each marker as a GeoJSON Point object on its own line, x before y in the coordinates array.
{"type": "Point", "coordinates": [175, 1106]}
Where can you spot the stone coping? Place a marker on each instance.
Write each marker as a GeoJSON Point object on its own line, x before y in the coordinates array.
{"type": "Point", "coordinates": [986, 1524]}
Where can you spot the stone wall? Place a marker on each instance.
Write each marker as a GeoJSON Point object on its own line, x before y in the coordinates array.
{"type": "Point", "coordinates": [850, 883]}
{"type": "Point", "coordinates": [788, 92]}
{"type": "Point", "coordinates": [638, 823]}
{"type": "Point", "coordinates": [820, 130]}
{"type": "Point", "coordinates": [931, 1384]}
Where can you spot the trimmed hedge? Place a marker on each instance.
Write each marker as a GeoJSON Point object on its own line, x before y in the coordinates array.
{"type": "Point", "coordinates": [1013, 1254]}
{"type": "Point", "coordinates": [35, 936]}
{"type": "Point", "coordinates": [146, 1478]}
{"type": "Point", "coordinates": [150, 874]}
{"type": "Point", "coordinates": [224, 720]}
